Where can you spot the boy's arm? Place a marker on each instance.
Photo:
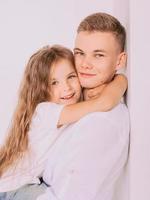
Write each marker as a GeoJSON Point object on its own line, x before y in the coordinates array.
{"type": "Point", "coordinates": [108, 99]}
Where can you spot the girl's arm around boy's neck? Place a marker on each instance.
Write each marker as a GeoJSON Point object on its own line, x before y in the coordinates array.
{"type": "Point", "coordinates": [103, 99]}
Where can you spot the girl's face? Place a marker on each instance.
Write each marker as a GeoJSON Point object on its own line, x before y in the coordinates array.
{"type": "Point", "coordinates": [64, 83]}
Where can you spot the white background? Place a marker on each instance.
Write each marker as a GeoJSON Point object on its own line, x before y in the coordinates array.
{"type": "Point", "coordinates": [26, 25]}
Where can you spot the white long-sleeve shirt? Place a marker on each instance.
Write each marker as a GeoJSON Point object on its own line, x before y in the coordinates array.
{"type": "Point", "coordinates": [42, 135]}
{"type": "Point", "coordinates": [86, 161]}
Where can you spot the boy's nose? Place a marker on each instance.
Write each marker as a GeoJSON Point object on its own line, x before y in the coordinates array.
{"type": "Point", "coordinates": [86, 64]}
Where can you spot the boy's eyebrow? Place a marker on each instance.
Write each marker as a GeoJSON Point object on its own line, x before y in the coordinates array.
{"type": "Point", "coordinates": [95, 51]}
{"type": "Point", "coordinates": [99, 51]}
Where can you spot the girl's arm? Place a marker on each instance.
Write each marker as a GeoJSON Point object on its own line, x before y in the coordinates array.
{"type": "Point", "coordinates": [112, 91]}
{"type": "Point", "coordinates": [108, 98]}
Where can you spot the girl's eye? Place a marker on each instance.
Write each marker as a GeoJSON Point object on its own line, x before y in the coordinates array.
{"type": "Point", "coordinates": [54, 83]}
{"type": "Point", "coordinates": [72, 76]}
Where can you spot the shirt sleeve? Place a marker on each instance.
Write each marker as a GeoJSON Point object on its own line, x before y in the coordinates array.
{"type": "Point", "coordinates": [44, 121]}
{"type": "Point", "coordinates": [47, 115]}
{"type": "Point", "coordinates": [95, 166]}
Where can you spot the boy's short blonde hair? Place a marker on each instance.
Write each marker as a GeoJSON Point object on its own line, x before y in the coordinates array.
{"type": "Point", "coordinates": [104, 23]}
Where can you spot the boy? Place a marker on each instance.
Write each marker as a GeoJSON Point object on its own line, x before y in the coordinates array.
{"type": "Point", "coordinates": [87, 160]}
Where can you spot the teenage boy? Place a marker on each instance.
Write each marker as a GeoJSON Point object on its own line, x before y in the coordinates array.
{"type": "Point", "coordinates": [87, 160]}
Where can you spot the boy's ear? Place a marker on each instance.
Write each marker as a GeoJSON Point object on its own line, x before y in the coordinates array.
{"type": "Point", "coordinates": [122, 59]}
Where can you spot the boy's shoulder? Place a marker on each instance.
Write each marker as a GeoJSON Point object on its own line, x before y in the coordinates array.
{"type": "Point", "coordinates": [118, 117]}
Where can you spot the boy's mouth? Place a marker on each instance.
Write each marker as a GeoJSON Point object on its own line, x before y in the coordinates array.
{"type": "Point", "coordinates": [86, 75]}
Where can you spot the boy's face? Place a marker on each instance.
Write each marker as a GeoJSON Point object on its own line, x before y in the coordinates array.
{"type": "Point", "coordinates": [64, 83]}
{"type": "Point", "coordinates": [97, 57]}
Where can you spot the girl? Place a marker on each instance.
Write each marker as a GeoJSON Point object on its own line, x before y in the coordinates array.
{"type": "Point", "coordinates": [50, 81]}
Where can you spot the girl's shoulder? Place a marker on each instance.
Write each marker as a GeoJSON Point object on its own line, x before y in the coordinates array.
{"type": "Point", "coordinates": [46, 107]}
{"type": "Point", "coordinates": [44, 120]}
{"type": "Point", "coordinates": [46, 112]}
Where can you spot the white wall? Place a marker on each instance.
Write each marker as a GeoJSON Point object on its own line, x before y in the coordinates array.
{"type": "Point", "coordinates": [25, 27]}
{"type": "Point", "coordinates": [139, 99]}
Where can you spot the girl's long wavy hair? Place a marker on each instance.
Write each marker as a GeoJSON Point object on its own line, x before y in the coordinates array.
{"type": "Point", "coordinates": [34, 89]}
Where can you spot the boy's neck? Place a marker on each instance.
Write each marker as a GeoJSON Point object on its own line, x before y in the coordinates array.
{"type": "Point", "coordinates": [100, 87]}
{"type": "Point", "coordinates": [89, 93]}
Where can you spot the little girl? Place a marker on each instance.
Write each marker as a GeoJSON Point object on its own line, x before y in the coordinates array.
{"type": "Point", "coordinates": [48, 98]}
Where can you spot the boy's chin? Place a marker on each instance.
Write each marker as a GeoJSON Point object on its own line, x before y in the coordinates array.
{"type": "Point", "coordinates": [90, 85]}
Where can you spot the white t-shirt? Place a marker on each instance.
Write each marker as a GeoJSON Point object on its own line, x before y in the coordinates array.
{"type": "Point", "coordinates": [42, 135]}
{"type": "Point", "coordinates": [86, 161]}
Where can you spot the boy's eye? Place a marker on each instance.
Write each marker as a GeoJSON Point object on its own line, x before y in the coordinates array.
{"type": "Point", "coordinates": [79, 53]}
{"type": "Point", "coordinates": [99, 55]}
